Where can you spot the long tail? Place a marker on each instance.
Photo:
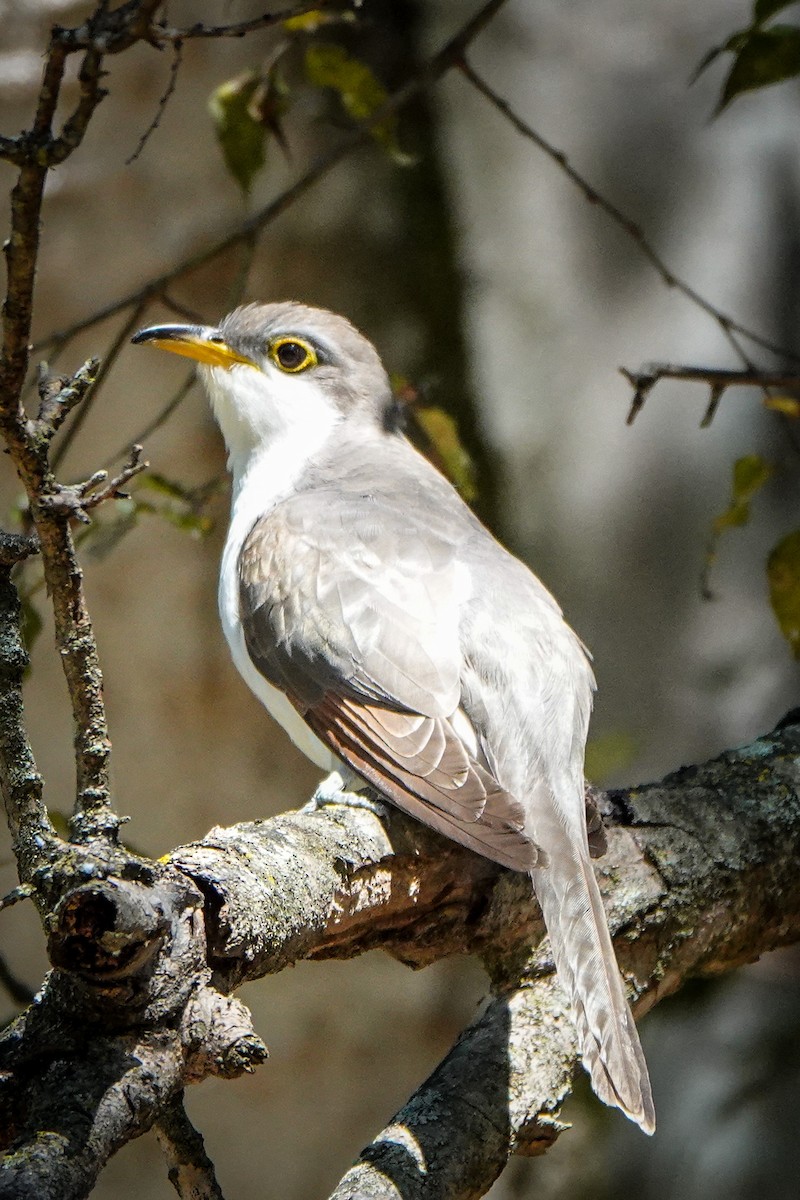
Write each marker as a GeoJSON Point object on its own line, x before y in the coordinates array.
{"type": "Point", "coordinates": [587, 968]}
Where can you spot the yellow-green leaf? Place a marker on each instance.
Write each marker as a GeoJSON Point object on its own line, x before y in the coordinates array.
{"type": "Point", "coordinates": [783, 574]}
{"type": "Point", "coordinates": [442, 433]}
{"type": "Point", "coordinates": [360, 92]}
{"type": "Point", "coordinates": [749, 476]}
{"type": "Point", "coordinates": [240, 134]}
{"type": "Point", "coordinates": [311, 21]}
{"type": "Point", "coordinates": [788, 405]}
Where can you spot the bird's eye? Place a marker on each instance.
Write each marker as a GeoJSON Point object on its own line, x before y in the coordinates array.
{"type": "Point", "coordinates": [292, 355]}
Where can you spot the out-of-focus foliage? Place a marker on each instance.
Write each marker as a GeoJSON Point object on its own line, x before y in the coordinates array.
{"type": "Point", "coordinates": [328, 65]}
{"type": "Point", "coordinates": [249, 109]}
{"type": "Point", "coordinates": [312, 21]}
{"type": "Point", "coordinates": [440, 438]}
{"type": "Point", "coordinates": [750, 473]}
{"type": "Point", "coordinates": [783, 573]}
{"type": "Point", "coordinates": [763, 54]}
{"type": "Point", "coordinates": [237, 107]}
{"type": "Point", "coordinates": [441, 431]}
{"type": "Point", "coordinates": [749, 476]}
{"type": "Point", "coordinates": [181, 506]}
{"type": "Point", "coordinates": [788, 405]}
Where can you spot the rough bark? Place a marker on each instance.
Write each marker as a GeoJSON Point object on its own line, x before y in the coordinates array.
{"type": "Point", "coordinates": [701, 875]}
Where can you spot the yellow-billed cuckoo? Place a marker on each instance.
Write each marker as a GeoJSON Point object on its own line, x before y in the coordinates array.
{"type": "Point", "coordinates": [384, 628]}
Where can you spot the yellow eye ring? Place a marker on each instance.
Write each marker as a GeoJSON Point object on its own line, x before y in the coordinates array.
{"type": "Point", "coordinates": [292, 355]}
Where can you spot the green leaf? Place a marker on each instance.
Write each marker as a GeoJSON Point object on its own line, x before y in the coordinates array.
{"type": "Point", "coordinates": [764, 9]}
{"type": "Point", "coordinates": [153, 482]}
{"type": "Point", "coordinates": [442, 433]}
{"type": "Point", "coordinates": [749, 476]}
{"type": "Point", "coordinates": [766, 56]}
{"type": "Point", "coordinates": [360, 93]}
{"type": "Point", "coordinates": [783, 574]}
{"type": "Point", "coordinates": [734, 43]}
{"type": "Point", "coordinates": [240, 134]}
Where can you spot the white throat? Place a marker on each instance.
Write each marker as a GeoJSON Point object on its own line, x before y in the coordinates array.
{"type": "Point", "coordinates": [273, 428]}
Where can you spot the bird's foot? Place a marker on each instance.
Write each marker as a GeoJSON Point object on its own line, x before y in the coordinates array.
{"type": "Point", "coordinates": [345, 787]}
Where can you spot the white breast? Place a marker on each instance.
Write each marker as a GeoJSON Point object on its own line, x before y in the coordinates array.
{"type": "Point", "coordinates": [261, 479]}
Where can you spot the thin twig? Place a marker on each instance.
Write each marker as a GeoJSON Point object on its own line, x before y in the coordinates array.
{"type": "Point", "coordinates": [718, 380]}
{"type": "Point", "coordinates": [111, 356]}
{"type": "Point", "coordinates": [240, 29]}
{"type": "Point", "coordinates": [166, 412]}
{"type": "Point", "coordinates": [22, 891]}
{"type": "Point", "coordinates": [727, 324]}
{"type": "Point", "coordinates": [191, 1171]}
{"type": "Point", "coordinates": [177, 56]}
{"type": "Point", "coordinates": [59, 395]}
{"type": "Point", "coordinates": [75, 500]}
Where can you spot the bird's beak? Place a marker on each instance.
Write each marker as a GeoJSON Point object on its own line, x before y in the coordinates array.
{"type": "Point", "coordinates": [200, 342]}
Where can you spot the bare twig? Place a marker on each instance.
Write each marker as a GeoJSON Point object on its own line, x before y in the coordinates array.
{"type": "Point", "coordinates": [177, 54]}
{"type": "Point", "coordinates": [163, 33]}
{"type": "Point", "coordinates": [60, 394]}
{"type": "Point", "coordinates": [16, 547]}
{"type": "Point", "coordinates": [717, 378]}
{"type": "Point", "coordinates": [103, 369]}
{"type": "Point", "coordinates": [32, 834]}
{"type": "Point", "coordinates": [729, 325]}
{"type": "Point", "coordinates": [75, 500]}
{"type": "Point", "coordinates": [191, 1171]}
{"type": "Point", "coordinates": [23, 891]}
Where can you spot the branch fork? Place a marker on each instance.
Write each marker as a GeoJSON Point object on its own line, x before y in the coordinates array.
{"type": "Point", "coordinates": [76, 500]}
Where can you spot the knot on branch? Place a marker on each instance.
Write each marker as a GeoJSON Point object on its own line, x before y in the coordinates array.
{"type": "Point", "coordinates": [107, 928]}
{"type": "Point", "coordinates": [219, 1037]}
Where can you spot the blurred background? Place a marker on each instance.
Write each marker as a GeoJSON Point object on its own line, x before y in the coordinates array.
{"type": "Point", "coordinates": [488, 282]}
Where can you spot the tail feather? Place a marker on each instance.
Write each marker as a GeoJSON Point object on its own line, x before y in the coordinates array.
{"type": "Point", "coordinates": [587, 968]}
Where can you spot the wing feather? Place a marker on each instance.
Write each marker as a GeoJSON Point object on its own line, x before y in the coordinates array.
{"type": "Point", "coordinates": [477, 813]}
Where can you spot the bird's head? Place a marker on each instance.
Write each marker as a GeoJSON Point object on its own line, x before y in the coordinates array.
{"type": "Point", "coordinates": [281, 369]}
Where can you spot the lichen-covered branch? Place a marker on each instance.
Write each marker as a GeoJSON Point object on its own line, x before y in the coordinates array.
{"type": "Point", "coordinates": [702, 874]}
{"type": "Point", "coordinates": [33, 837]}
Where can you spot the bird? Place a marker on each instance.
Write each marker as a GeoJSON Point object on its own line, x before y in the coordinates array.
{"type": "Point", "coordinates": [392, 636]}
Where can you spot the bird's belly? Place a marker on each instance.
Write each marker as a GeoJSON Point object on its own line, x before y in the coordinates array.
{"type": "Point", "coordinates": [276, 703]}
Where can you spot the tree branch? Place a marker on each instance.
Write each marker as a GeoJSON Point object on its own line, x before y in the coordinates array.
{"type": "Point", "coordinates": [191, 1171]}
{"type": "Point", "coordinates": [719, 379]}
{"type": "Point", "coordinates": [161, 33]}
{"type": "Point", "coordinates": [702, 874]}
